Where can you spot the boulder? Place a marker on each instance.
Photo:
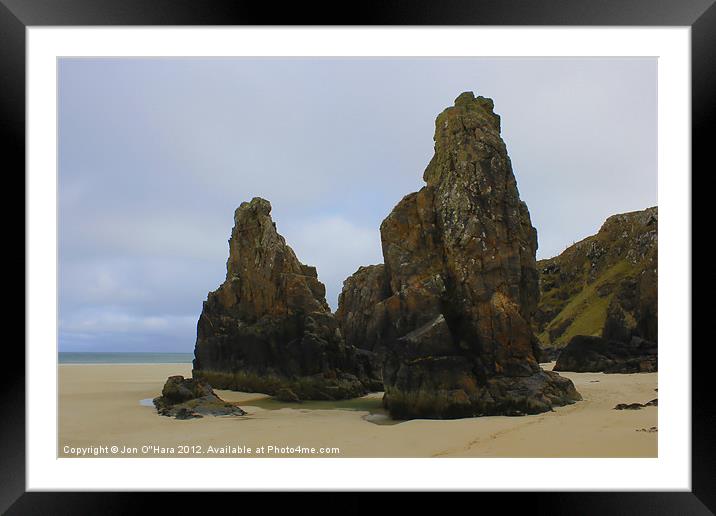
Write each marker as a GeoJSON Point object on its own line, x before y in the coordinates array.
{"type": "Point", "coordinates": [587, 354]}
{"type": "Point", "coordinates": [268, 326]}
{"type": "Point", "coordinates": [188, 398]}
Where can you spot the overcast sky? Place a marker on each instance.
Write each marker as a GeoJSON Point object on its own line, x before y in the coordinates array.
{"type": "Point", "coordinates": [155, 155]}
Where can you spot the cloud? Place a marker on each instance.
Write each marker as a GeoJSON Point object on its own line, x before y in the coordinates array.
{"type": "Point", "coordinates": [106, 330]}
{"type": "Point", "coordinates": [111, 322]}
{"type": "Point", "coordinates": [156, 154]}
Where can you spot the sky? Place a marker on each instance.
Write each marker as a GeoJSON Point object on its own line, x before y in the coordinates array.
{"type": "Point", "coordinates": [156, 154]}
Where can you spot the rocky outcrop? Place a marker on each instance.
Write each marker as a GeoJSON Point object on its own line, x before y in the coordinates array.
{"type": "Point", "coordinates": [268, 327]}
{"type": "Point", "coordinates": [359, 316]}
{"type": "Point", "coordinates": [632, 311]}
{"type": "Point", "coordinates": [356, 312]}
{"type": "Point", "coordinates": [604, 285]}
{"type": "Point", "coordinates": [191, 398]}
{"type": "Point", "coordinates": [585, 354]}
{"type": "Point", "coordinates": [459, 285]}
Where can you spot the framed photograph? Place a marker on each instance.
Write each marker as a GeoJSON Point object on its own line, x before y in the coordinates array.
{"type": "Point", "coordinates": [417, 253]}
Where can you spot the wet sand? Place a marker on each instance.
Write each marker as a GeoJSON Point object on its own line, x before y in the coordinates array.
{"type": "Point", "coordinates": [99, 407]}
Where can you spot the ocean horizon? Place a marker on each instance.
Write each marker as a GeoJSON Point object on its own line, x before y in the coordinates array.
{"type": "Point", "coordinates": [89, 357]}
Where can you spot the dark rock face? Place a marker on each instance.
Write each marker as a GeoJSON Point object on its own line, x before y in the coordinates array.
{"type": "Point", "coordinates": [586, 354]}
{"type": "Point", "coordinates": [361, 319]}
{"type": "Point", "coordinates": [356, 312]}
{"type": "Point", "coordinates": [547, 354]}
{"type": "Point", "coordinates": [459, 284]}
{"type": "Point", "coordinates": [268, 326]}
{"type": "Point", "coordinates": [632, 311]}
{"type": "Point", "coordinates": [191, 398]}
{"type": "Point", "coordinates": [603, 285]}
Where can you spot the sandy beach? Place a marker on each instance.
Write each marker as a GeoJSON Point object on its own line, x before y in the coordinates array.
{"type": "Point", "coordinates": [99, 407]}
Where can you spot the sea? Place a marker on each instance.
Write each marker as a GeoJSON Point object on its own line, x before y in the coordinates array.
{"type": "Point", "coordinates": [71, 357]}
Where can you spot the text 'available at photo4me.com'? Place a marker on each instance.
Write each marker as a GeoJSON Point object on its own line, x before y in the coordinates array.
{"type": "Point", "coordinates": [227, 450]}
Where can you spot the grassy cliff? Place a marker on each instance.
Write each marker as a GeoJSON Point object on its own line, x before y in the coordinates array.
{"type": "Point", "coordinates": [579, 286]}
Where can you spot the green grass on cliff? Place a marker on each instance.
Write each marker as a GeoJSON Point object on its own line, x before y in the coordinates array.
{"type": "Point", "coordinates": [587, 310]}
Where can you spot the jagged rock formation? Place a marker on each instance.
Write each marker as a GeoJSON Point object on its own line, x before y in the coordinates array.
{"type": "Point", "coordinates": [586, 354]}
{"type": "Point", "coordinates": [268, 327]}
{"type": "Point", "coordinates": [459, 285]}
{"type": "Point", "coordinates": [361, 318]}
{"type": "Point", "coordinates": [191, 398]}
{"type": "Point", "coordinates": [361, 292]}
{"type": "Point", "coordinates": [604, 285]}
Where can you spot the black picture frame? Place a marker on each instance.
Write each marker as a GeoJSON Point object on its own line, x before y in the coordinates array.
{"type": "Point", "coordinates": [700, 15]}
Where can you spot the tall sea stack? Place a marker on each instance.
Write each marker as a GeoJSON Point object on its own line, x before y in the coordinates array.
{"type": "Point", "coordinates": [459, 285]}
{"type": "Point", "coordinates": [268, 327]}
